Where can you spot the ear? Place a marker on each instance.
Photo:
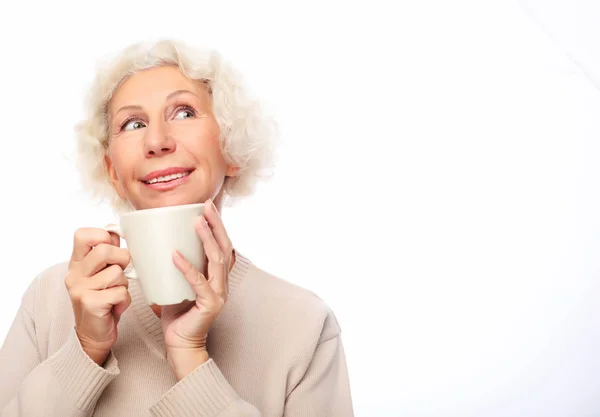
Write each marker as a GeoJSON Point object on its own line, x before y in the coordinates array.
{"type": "Point", "coordinates": [232, 171]}
{"type": "Point", "coordinates": [112, 176]}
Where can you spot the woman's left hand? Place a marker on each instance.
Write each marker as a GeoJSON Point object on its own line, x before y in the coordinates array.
{"type": "Point", "coordinates": [186, 325]}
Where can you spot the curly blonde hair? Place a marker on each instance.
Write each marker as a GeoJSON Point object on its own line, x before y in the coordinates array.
{"type": "Point", "coordinates": [247, 136]}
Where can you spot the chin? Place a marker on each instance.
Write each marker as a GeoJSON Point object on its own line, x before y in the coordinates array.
{"type": "Point", "coordinates": [167, 201]}
{"type": "Point", "coordinates": [181, 195]}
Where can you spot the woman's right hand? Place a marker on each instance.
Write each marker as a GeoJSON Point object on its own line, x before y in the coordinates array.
{"type": "Point", "coordinates": [98, 289]}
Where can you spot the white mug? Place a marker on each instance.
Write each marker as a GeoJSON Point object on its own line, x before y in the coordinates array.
{"type": "Point", "coordinates": [152, 236]}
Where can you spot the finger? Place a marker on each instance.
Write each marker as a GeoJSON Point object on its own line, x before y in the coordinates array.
{"type": "Point", "coordinates": [85, 239]}
{"type": "Point", "coordinates": [120, 307]}
{"type": "Point", "coordinates": [216, 260]}
{"type": "Point", "coordinates": [101, 256]}
{"type": "Point", "coordinates": [110, 297]}
{"type": "Point", "coordinates": [196, 279]}
{"type": "Point", "coordinates": [108, 278]}
{"type": "Point", "coordinates": [115, 239]}
{"type": "Point", "coordinates": [211, 247]}
{"type": "Point", "coordinates": [218, 228]}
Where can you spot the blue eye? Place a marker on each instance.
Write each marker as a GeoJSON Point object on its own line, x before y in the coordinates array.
{"type": "Point", "coordinates": [132, 125]}
{"type": "Point", "coordinates": [185, 113]}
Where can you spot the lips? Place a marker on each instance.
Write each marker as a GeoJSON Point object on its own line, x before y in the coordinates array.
{"type": "Point", "coordinates": [166, 174]}
{"type": "Point", "coordinates": [167, 179]}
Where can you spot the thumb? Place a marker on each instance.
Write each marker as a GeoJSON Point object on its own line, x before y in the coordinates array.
{"type": "Point", "coordinates": [115, 239]}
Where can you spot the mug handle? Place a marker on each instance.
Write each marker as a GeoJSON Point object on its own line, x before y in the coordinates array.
{"type": "Point", "coordinates": [114, 228]}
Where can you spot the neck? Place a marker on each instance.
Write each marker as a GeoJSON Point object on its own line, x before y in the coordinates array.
{"type": "Point", "coordinates": [218, 201]}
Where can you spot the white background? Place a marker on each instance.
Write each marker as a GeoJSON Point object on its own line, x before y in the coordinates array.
{"type": "Point", "coordinates": [437, 182]}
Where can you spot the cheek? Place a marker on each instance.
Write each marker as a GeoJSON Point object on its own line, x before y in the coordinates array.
{"type": "Point", "coordinates": [212, 142]}
{"type": "Point", "coordinates": [202, 141]}
{"type": "Point", "coordinates": [209, 150]}
{"type": "Point", "coordinates": [123, 160]}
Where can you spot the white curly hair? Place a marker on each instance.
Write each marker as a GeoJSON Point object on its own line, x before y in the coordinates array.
{"type": "Point", "coordinates": [247, 135]}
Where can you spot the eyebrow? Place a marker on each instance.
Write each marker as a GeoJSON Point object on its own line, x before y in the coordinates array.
{"type": "Point", "coordinates": [170, 96]}
{"type": "Point", "coordinates": [178, 92]}
{"type": "Point", "coordinates": [128, 108]}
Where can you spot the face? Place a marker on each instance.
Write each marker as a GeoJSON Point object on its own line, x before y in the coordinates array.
{"type": "Point", "coordinates": [164, 141]}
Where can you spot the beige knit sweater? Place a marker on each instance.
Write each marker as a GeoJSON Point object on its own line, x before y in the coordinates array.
{"type": "Point", "coordinates": [275, 351]}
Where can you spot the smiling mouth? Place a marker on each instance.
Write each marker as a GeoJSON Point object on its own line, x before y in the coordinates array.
{"type": "Point", "coordinates": [167, 178]}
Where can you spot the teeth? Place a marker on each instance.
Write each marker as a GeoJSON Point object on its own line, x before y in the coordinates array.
{"type": "Point", "coordinates": [168, 178]}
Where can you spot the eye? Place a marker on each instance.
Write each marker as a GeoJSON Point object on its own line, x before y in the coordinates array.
{"type": "Point", "coordinates": [132, 125]}
{"type": "Point", "coordinates": [185, 113]}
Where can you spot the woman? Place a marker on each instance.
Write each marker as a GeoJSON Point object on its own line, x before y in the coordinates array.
{"type": "Point", "coordinates": [85, 343]}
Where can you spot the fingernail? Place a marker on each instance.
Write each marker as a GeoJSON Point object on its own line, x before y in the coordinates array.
{"type": "Point", "coordinates": [178, 255]}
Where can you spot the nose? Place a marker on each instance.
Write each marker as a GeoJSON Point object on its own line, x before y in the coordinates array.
{"type": "Point", "coordinates": [157, 141]}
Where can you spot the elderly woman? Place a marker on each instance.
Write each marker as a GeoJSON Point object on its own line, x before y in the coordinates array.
{"type": "Point", "coordinates": [85, 342]}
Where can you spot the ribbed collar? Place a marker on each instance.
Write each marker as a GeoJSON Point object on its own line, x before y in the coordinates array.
{"type": "Point", "coordinates": [148, 324]}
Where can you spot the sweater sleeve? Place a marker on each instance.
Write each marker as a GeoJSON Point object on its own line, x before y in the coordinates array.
{"type": "Point", "coordinates": [324, 389]}
{"type": "Point", "coordinates": [68, 383]}
{"type": "Point", "coordinates": [203, 393]}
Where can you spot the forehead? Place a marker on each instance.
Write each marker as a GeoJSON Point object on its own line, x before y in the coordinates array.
{"type": "Point", "coordinates": [152, 86]}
